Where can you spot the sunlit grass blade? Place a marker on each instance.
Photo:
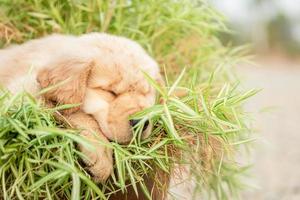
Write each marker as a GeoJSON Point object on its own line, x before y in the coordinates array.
{"type": "Point", "coordinates": [51, 176]}
{"type": "Point", "coordinates": [76, 187]}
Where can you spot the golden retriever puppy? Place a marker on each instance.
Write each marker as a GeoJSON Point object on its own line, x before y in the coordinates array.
{"type": "Point", "coordinates": [103, 73]}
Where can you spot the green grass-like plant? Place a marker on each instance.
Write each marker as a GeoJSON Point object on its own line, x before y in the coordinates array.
{"type": "Point", "coordinates": [39, 158]}
{"type": "Point", "coordinates": [201, 129]}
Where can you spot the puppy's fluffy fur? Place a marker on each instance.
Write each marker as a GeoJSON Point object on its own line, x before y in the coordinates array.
{"type": "Point", "coordinates": [100, 71]}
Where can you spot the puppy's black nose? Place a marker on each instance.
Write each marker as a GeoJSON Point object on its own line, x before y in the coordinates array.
{"type": "Point", "coordinates": [146, 125]}
{"type": "Point", "coordinates": [133, 122]}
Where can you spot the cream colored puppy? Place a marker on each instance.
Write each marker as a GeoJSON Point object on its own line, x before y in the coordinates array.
{"type": "Point", "coordinates": [102, 72]}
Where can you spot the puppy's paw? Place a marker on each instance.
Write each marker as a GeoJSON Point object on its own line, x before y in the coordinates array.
{"type": "Point", "coordinates": [99, 162]}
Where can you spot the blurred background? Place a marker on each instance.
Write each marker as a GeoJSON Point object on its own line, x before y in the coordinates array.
{"type": "Point", "coordinates": [272, 28]}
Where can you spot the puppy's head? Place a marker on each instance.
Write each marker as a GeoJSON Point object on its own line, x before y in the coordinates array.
{"type": "Point", "coordinates": [112, 109]}
{"type": "Point", "coordinates": [116, 86]}
{"type": "Point", "coordinates": [122, 107]}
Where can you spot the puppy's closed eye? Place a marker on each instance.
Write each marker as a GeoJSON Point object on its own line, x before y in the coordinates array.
{"type": "Point", "coordinates": [113, 93]}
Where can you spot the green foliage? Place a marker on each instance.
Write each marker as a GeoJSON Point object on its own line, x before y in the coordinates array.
{"type": "Point", "coordinates": [39, 159]}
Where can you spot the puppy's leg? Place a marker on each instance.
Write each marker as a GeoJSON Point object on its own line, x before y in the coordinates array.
{"type": "Point", "coordinates": [99, 162]}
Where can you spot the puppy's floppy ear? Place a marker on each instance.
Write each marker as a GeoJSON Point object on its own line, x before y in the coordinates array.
{"type": "Point", "coordinates": [69, 81]}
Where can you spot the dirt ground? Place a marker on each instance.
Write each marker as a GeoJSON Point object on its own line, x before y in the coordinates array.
{"type": "Point", "coordinates": [277, 120]}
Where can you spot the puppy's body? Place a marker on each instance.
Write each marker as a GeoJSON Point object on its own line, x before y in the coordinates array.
{"type": "Point", "coordinates": [103, 73]}
{"type": "Point", "coordinates": [20, 64]}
